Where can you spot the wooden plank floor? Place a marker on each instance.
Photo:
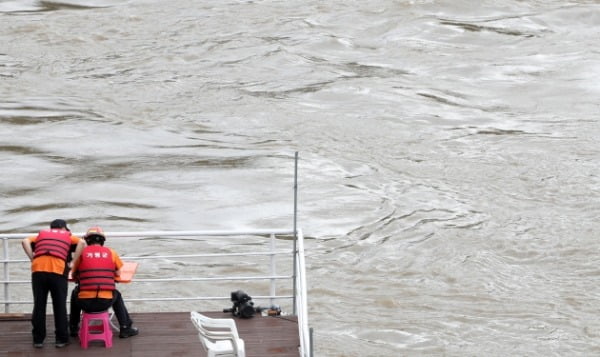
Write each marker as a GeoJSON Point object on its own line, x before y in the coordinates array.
{"type": "Point", "coordinates": [161, 334]}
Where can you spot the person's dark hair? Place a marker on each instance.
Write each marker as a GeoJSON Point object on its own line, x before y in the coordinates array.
{"type": "Point", "coordinates": [59, 224]}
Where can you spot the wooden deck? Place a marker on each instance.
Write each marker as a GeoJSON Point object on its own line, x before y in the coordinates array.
{"type": "Point", "coordinates": [161, 334]}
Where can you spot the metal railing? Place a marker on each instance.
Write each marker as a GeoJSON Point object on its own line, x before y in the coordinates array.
{"type": "Point", "coordinates": [256, 257]}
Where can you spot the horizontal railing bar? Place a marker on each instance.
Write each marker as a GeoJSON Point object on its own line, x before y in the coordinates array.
{"type": "Point", "coordinates": [265, 277]}
{"type": "Point", "coordinates": [207, 298]}
{"type": "Point", "coordinates": [279, 252]}
{"type": "Point", "coordinates": [169, 233]}
{"type": "Point", "coordinates": [261, 297]}
{"type": "Point", "coordinates": [15, 261]}
{"type": "Point", "coordinates": [208, 255]}
{"type": "Point", "coordinates": [15, 281]}
{"type": "Point", "coordinates": [215, 279]}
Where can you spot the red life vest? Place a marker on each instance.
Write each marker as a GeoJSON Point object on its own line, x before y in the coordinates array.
{"type": "Point", "coordinates": [54, 242]}
{"type": "Point", "coordinates": [96, 269]}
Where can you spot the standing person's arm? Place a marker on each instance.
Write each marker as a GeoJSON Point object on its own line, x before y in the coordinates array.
{"type": "Point", "coordinates": [26, 243]}
{"type": "Point", "coordinates": [78, 250]}
{"type": "Point", "coordinates": [75, 267]}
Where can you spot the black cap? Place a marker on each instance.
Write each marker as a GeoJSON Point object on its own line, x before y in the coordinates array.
{"type": "Point", "coordinates": [59, 223]}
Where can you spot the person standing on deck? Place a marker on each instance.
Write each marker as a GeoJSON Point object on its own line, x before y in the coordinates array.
{"type": "Point", "coordinates": [95, 270]}
{"type": "Point", "coordinates": [49, 253]}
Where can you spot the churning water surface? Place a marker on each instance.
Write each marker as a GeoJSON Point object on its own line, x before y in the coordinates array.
{"type": "Point", "coordinates": [448, 151]}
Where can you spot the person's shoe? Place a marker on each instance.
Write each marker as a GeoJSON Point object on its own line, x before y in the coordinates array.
{"type": "Point", "coordinates": [38, 345]}
{"type": "Point", "coordinates": [61, 344]}
{"type": "Point", "coordinates": [128, 332]}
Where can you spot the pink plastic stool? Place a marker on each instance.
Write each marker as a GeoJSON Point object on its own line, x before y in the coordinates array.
{"type": "Point", "coordinates": [92, 331]}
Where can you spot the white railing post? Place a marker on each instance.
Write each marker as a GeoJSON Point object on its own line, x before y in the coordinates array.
{"type": "Point", "coordinates": [272, 291]}
{"type": "Point", "coordinates": [6, 275]}
{"type": "Point", "coordinates": [302, 300]}
{"type": "Point", "coordinates": [295, 251]}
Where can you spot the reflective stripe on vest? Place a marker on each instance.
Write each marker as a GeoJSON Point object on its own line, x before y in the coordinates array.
{"type": "Point", "coordinates": [97, 269]}
{"type": "Point", "coordinates": [54, 242]}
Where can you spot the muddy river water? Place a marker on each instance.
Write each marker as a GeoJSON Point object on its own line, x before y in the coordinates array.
{"type": "Point", "coordinates": [449, 156]}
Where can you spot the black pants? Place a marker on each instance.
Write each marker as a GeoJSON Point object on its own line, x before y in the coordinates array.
{"type": "Point", "coordinates": [98, 305]}
{"type": "Point", "coordinates": [43, 283]}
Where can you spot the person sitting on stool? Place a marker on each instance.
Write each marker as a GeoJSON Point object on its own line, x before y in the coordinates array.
{"type": "Point", "coordinates": [95, 270]}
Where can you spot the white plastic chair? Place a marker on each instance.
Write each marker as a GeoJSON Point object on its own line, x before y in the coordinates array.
{"type": "Point", "coordinates": [218, 336]}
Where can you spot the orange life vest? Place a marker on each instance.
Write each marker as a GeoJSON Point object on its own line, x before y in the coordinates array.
{"type": "Point", "coordinates": [54, 242]}
{"type": "Point", "coordinates": [96, 269]}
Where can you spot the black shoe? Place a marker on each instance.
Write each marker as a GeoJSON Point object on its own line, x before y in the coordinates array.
{"type": "Point", "coordinates": [128, 332]}
{"type": "Point", "coordinates": [38, 345]}
{"type": "Point", "coordinates": [61, 344]}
